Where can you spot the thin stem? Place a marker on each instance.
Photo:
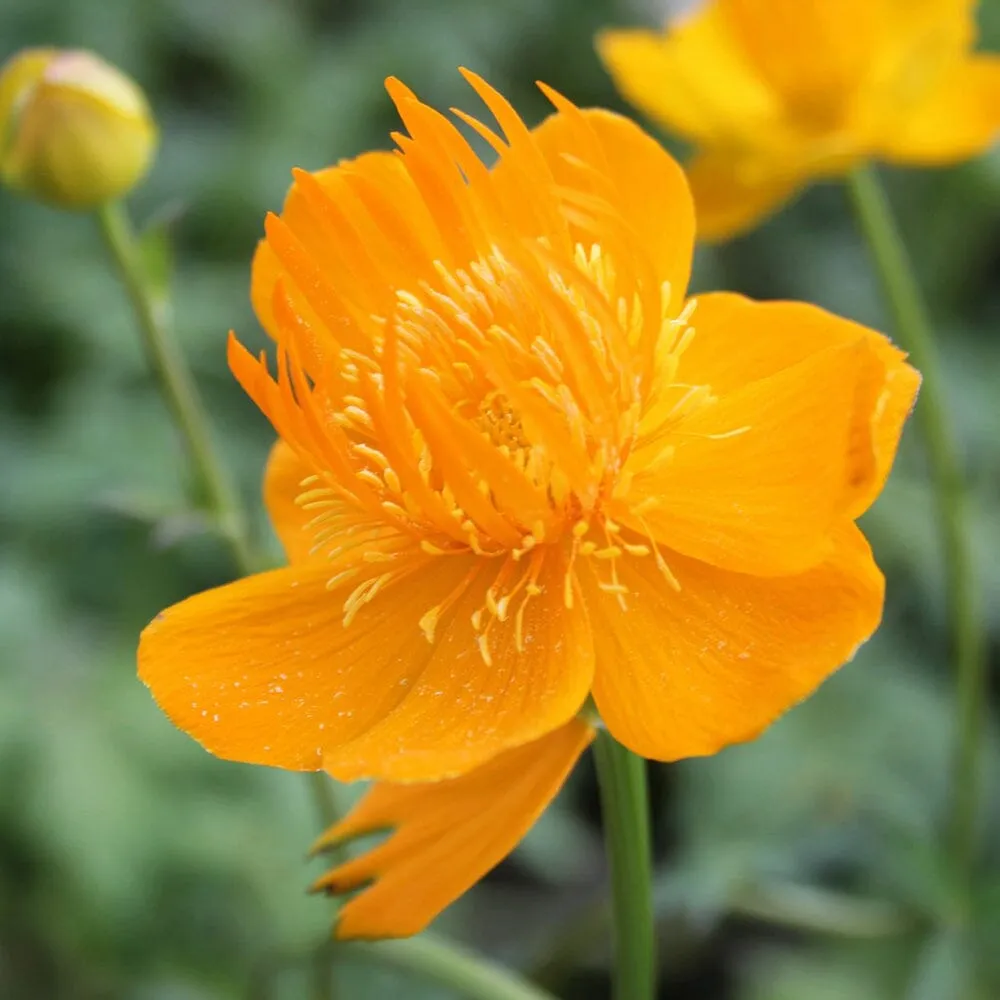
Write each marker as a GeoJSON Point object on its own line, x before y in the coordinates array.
{"type": "Point", "coordinates": [176, 383]}
{"type": "Point", "coordinates": [323, 984]}
{"type": "Point", "coordinates": [914, 332]}
{"type": "Point", "coordinates": [621, 777]}
{"type": "Point", "coordinates": [181, 396]}
{"type": "Point", "coordinates": [324, 793]}
{"type": "Point", "coordinates": [445, 965]}
{"type": "Point", "coordinates": [796, 907]}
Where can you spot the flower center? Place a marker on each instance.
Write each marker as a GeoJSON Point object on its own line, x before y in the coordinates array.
{"type": "Point", "coordinates": [493, 413]}
{"type": "Point", "coordinates": [498, 402]}
{"type": "Point", "coordinates": [501, 424]}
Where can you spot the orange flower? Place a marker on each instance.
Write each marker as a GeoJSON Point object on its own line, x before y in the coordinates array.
{"type": "Point", "coordinates": [776, 93]}
{"type": "Point", "coordinates": [517, 468]}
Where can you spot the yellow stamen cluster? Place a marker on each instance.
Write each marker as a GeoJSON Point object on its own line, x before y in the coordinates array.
{"type": "Point", "coordinates": [493, 414]}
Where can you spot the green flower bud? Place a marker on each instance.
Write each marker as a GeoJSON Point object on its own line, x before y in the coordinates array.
{"type": "Point", "coordinates": [74, 131]}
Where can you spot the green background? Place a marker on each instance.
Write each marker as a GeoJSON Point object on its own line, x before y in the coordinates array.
{"type": "Point", "coordinates": [133, 865]}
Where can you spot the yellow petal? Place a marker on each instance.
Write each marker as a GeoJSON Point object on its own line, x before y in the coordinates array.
{"type": "Point", "coordinates": [684, 674]}
{"type": "Point", "coordinates": [959, 119]}
{"type": "Point", "coordinates": [694, 79]}
{"type": "Point", "coordinates": [815, 53]}
{"type": "Point", "coordinates": [445, 836]}
{"type": "Point", "coordinates": [754, 481]}
{"type": "Point", "coordinates": [733, 193]}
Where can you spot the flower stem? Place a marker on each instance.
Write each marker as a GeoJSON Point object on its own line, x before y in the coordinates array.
{"type": "Point", "coordinates": [444, 964]}
{"type": "Point", "coordinates": [325, 799]}
{"type": "Point", "coordinates": [621, 776]}
{"type": "Point", "coordinates": [913, 329]}
{"type": "Point", "coordinates": [181, 396]}
{"type": "Point", "coordinates": [176, 382]}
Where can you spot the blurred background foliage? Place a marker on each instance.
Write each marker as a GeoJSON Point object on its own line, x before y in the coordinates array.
{"type": "Point", "coordinates": [132, 864]}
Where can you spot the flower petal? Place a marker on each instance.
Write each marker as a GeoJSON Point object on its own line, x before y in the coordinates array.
{"type": "Point", "coordinates": [960, 119]}
{"type": "Point", "coordinates": [814, 53]}
{"type": "Point", "coordinates": [695, 78]}
{"type": "Point", "coordinates": [740, 341]}
{"type": "Point", "coordinates": [598, 153]}
{"type": "Point", "coordinates": [446, 835]}
{"type": "Point", "coordinates": [283, 484]}
{"type": "Point", "coordinates": [462, 710]}
{"type": "Point", "coordinates": [754, 480]}
{"type": "Point", "coordinates": [266, 671]}
{"type": "Point", "coordinates": [732, 192]}
{"type": "Point", "coordinates": [352, 234]}
{"type": "Point", "coordinates": [684, 674]}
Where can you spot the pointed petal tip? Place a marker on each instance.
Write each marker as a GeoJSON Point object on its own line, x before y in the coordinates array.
{"type": "Point", "coordinates": [472, 77]}
{"type": "Point", "coordinates": [272, 224]}
{"type": "Point", "coordinates": [399, 92]}
{"type": "Point", "coordinates": [559, 101]}
{"type": "Point", "coordinates": [323, 884]}
{"type": "Point", "coordinates": [331, 838]}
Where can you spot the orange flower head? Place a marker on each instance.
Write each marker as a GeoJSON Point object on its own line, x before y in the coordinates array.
{"type": "Point", "coordinates": [518, 469]}
{"type": "Point", "coordinates": [776, 93]}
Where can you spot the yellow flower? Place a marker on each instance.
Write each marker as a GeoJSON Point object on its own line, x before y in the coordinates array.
{"type": "Point", "coordinates": [776, 93]}
{"type": "Point", "coordinates": [74, 131]}
{"type": "Point", "coordinates": [518, 468]}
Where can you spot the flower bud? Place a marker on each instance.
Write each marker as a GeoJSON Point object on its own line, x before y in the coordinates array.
{"type": "Point", "coordinates": [74, 131]}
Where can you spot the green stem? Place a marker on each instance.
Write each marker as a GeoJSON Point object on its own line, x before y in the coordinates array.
{"type": "Point", "coordinates": [445, 965]}
{"type": "Point", "coordinates": [181, 396]}
{"type": "Point", "coordinates": [796, 907]}
{"type": "Point", "coordinates": [324, 983]}
{"type": "Point", "coordinates": [176, 382]}
{"type": "Point", "coordinates": [324, 793]}
{"type": "Point", "coordinates": [914, 332]}
{"type": "Point", "coordinates": [621, 777]}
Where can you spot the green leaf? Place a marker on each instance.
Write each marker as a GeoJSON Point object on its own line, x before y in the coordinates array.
{"type": "Point", "coordinates": [156, 250]}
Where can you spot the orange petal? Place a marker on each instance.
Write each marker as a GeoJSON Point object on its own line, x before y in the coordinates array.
{"type": "Point", "coordinates": [733, 193]}
{"type": "Point", "coordinates": [605, 155]}
{"type": "Point", "coordinates": [960, 119]}
{"type": "Point", "coordinates": [284, 479]}
{"type": "Point", "coordinates": [363, 226]}
{"type": "Point", "coordinates": [684, 674]}
{"type": "Point", "coordinates": [446, 836]}
{"type": "Point", "coordinates": [740, 341]}
{"type": "Point", "coordinates": [754, 481]}
{"type": "Point", "coordinates": [264, 670]}
{"type": "Point", "coordinates": [267, 270]}
{"type": "Point", "coordinates": [462, 710]}
{"type": "Point", "coordinates": [695, 78]}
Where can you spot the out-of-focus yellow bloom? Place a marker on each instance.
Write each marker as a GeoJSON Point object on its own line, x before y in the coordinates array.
{"type": "Point", "coordinates": [775, 93]}
{"type": "Point", "coordinates": [74, 131]}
